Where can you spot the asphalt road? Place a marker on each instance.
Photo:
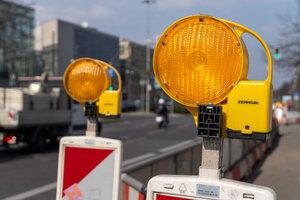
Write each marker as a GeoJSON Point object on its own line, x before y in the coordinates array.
{"type": "Point", "coordinates": [280, 169]}
{"type": "Point", "coordinates": [22, 171]}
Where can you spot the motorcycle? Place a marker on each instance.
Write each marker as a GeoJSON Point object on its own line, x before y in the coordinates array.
{"type": "Point", "coordinates": [161, 121]}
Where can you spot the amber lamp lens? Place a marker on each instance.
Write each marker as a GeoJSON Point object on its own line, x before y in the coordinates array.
{"type": "Point", "coordinates": [197, 60]}
{"type": "Point", "coordinates": [85, 80]}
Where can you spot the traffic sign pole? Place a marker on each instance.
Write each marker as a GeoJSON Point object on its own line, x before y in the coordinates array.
{"type": "Point", "coordinates": [211, 158]}
{"type": "Point", "coordinates": [92, 127]}
{"type": "Point", "coordinates": [212, 149]}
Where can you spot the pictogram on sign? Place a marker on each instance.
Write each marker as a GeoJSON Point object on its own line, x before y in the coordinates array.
{"type": "Point", "coordinates": [73, 193]}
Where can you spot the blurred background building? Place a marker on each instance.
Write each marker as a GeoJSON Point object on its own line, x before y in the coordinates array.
{"type": "Point", "coordinates": [16, 42]}
{"type": "Point", "coordinates": [133, 72]}
{"type": "Point", "coordinates": [26, 51]}
{"type": "Point", "coordinates": [57, 42]}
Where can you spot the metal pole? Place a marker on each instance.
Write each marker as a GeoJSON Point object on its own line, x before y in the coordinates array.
{"type": "Point", "coordinates": [53, 54]}
{"type": "Point", "coordinates": [142, 95]}
{"type": "Point", "coordinates": [148, 55]}
{"type": "Point", "coordinates": [172, 107]}
{"type": "Point", "coordinates": [148, 59]}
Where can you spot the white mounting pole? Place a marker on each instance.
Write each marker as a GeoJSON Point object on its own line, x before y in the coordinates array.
{"type": "Point", "coordinates": [211, 163]}
{"type": "Point", "coordinates": [92, 127]}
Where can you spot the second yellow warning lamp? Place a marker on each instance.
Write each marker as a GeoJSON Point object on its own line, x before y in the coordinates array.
{"type": "Point", "coordinates": [202, 63]}
{"type": "Point", "coordinates": [88, 81]}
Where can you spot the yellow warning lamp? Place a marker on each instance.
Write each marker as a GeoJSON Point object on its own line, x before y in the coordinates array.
{"type": "Point", "coordinates": [202, 62]}
{"type": "Point", "coordinates": [87, 80]}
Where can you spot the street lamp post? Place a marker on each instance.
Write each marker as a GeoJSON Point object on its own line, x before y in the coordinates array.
{"type": "Point", "coordinates": [148, 2]}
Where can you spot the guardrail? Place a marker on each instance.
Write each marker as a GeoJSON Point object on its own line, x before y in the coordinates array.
{"type": "Point", "coordinates": [175, 152]}
{"type": "Point", "coordinates": [182, 158]}
{"type": "Point", "coordinates": [239, 156]}
{"type": "Point", "coordinates": [132, 188]}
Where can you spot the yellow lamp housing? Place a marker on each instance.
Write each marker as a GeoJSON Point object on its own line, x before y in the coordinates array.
{"type": "Point", "coordinates": [201, 60]}
{"type": "Point", "coordinates": [249, 111]}
{"type": "Point", "coordinates": [88, 80]}
{"type": "Point", "coordinates": [110, 102]}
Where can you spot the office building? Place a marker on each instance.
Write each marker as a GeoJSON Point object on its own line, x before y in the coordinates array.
{"type": "Point", "coordinates": [134, 73]}
{"type": "Point", "coordinates": [57, 42]}
{"type": "Point", "coordinates": [16, 42]}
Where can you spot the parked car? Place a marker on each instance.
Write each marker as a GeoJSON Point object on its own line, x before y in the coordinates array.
{"type": "Point", "coordinates": [128, 106]}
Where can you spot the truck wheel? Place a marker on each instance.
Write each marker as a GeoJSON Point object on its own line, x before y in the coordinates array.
{"type": "Point", "coordinates": [39, 143]}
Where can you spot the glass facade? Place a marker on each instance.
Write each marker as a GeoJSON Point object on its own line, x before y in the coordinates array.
{"type": "Point", "coordinates": [60, 42]}
{"type": "Point", "coordinates": [50, 60]}
{"type": "Point", "coordinates": [16, 40]}
{"type": "Point", "coordinates": [132, 68]}
{"type": "Point", "coordinates": [93, 44]}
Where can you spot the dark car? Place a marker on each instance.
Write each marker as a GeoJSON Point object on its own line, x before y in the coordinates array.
{"type": "Point", "coordinates": [128, 106]}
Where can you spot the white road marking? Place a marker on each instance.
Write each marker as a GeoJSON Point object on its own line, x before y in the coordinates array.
{"type": "Point", "coordinates": [136, 159]}
{"type": "Point", "coordinates": [134, 140]}
{"type": "Point", "coordinates": [155, 132]}
{"type": "Point", "coordinates": [125, 137]}
{"type": "Point", "coordinates": [125, 122]}
{"type": "Point", "coordinates": [175, 146]}
{"type": "Point", "coordinates": [33, 192]}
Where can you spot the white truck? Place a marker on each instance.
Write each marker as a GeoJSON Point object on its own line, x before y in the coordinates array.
{"type": "Point", "coordinates": [37, 118]}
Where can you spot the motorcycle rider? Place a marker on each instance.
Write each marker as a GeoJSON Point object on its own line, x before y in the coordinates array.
{"type": "Point", "coordinates": [162, 110]}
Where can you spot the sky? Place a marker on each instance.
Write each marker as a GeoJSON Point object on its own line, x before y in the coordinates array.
{"type": "Point", "coordinates": [128, 19]}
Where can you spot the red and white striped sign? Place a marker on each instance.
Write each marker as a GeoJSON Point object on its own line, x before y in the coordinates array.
{"type": "Point", "coordinates": [89, 168]}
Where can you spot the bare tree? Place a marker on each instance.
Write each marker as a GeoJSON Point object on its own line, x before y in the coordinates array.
{"type": "Point", "coordinates": [289, 46]}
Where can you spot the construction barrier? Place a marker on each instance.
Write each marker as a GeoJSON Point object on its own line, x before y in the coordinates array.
{"type": "Point", "coordinates": [243, 168]}
{"type": "Point", "coordinates": [133, 189]}
{"type": "Point", "coordinates": [240, 156]}
{"type": "Point", "coordinates": [292, 117]}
